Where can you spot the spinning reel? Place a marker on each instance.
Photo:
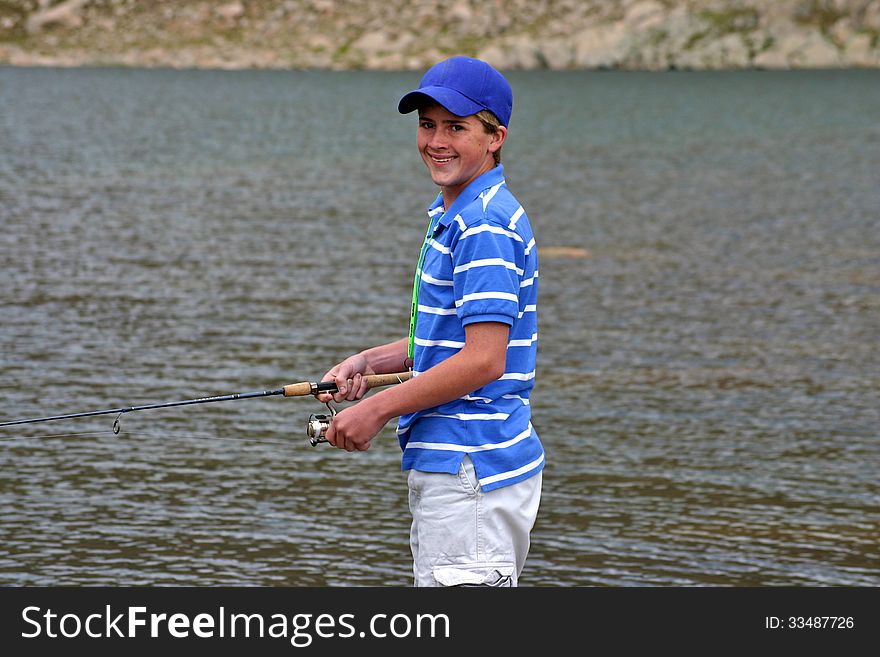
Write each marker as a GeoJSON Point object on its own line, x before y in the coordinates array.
{"type": "Point", "coordinates": [318, 425]}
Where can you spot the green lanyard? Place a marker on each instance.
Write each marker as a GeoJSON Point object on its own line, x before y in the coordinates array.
{"type": "Point", "coordinates": [417, 280]}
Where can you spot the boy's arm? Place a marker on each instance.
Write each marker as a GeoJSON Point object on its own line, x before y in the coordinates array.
{"type": "Point", "coordinates": [481, 361]}
{"type": "Point", "coordinates": [349, 374]}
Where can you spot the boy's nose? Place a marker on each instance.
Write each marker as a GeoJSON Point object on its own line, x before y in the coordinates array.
{"type": "Point", "coordinates": [438, 140]}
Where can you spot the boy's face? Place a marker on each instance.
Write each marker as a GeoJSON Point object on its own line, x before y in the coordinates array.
{"type": "Point", "coordinates": [456, 149]}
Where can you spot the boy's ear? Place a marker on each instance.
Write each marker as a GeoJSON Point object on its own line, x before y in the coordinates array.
{"type": "Point", "coordinates": [498, 138]}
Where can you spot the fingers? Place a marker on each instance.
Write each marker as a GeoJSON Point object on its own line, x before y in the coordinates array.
{"type": "Point", "coordinates": [343, 385]}
{"type": "Point", "coordinates": [340, 440]}
{"type": "Point", "coordinates": [357, 387]}
{"type": "Point", "coordinates": [350, 383]}
{"type": "Point", "coordinates": [325, 397]}
{"type": "Point", "coordinates": [330, 435]}
{"type": "Point", "coordinates": [342, 377]}
{"type": "Point", "coordinates": [349, 387]}
{"type": "Point", "coordinates": [336, 437]}
{"type": "Point", "coordinates": [347, 433]}
{"type": "Point", "coordinates": [361, 386]}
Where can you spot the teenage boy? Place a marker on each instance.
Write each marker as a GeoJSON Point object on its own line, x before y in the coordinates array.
{"type": "Point", "coordinates": [475, 462]}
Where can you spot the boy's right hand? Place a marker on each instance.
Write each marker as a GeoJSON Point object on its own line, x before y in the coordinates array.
{"type": "Point", "coordinates": [349, 376]}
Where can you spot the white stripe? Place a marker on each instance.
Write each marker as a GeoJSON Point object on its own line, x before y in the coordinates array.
{"type": "Point", "coordinates": [515, 218]}
{"type": "Point", "coordinates": [507, 296]}
{"type": "Point", "coordinates": [513, 473]}
{"type": "Point", "coordinates": [460, 222]}
{"type": "Point", "coordinates": [431, 310]}
{"type": "Point", "coordinates": [470, 416]}
{"type": "Point", "coordinates": [487, 196]}
{"type": "Point", "coordinates": [438, 210]}
{"type": "Point", "coordinates": [518, 376]}
{"type": "Point", "coordinates": [530, 246]}
{"type": "Point", "coordinates": [529, 281]}
{"type": "Point", "coordinates": [469, 449]}
{"type": "Point", "coordinates": [488, 262]}
{"type": "Point", "coordinates": [434, 281]}
{"type": "Point", "coordinates": [434, 244]}
{"type": "Point", "coordinates": [492, 229]}
{"type": "Point", "coordinates": [487, 400]}
{"type": "Point", "coordinates": [523, 343]}
{"type": "Point", "coordinates": [439, 343]}
{"type": "Point", "coordinates": [531, 308]}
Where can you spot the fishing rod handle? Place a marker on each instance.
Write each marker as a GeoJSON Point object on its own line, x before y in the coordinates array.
{"type": "Point", "coordinates": [373, 381]}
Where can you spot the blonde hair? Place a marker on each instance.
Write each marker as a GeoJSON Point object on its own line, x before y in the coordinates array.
{"type": "Point", "coordinates": [490, 125]}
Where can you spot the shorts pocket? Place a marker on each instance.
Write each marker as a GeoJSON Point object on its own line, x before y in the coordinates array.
{"type": "Point", "coordinates": [499, 574]}
{"type": "Point", "coordinates": [467, 475]}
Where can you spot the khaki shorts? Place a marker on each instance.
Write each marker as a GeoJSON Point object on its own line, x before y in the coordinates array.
{"type": "Point", "coordinates": [462, 536]}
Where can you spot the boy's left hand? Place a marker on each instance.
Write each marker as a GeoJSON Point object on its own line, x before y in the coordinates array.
{"type": "Point", "coordinates": [353, 428]}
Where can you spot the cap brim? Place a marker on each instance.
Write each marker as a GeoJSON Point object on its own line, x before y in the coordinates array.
{"type": "Point", "coordinates": [455, 102]}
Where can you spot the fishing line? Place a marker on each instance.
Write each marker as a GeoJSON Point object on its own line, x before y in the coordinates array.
{"type": "Point", "coordinates": [145, 433]}
{"type": "Point", "coordinates": [156, 435]}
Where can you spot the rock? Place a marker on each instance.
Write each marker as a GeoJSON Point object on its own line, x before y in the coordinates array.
{"type": "Point", "coordinates": [67, 15]}
{"type": "Point", "coordinates": [645, 14]}
{"type": "Point", "coordinates": [522, 53]}
{"type": "Point", "coordinates": [460, 11]}
{"type": "Point", "coordinates": [231, 11]}
{"type": "Point", "coordinates": [494, 55]}
{"type": "Point", "coordinates": [859, 52]}
{"type": "Point", "coordinates": [371, 42]}
{"type": "Point", "coordinates": [556, 54]}
{"type": "Point", "coordinates": [816, 52]}
{"type": "Point", "coordinates": [799, 48]}
{"type": "Point", "coordinates": [600, 46]}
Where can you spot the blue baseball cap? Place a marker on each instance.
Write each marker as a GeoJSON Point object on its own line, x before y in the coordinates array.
{"type": "Point", "coordinates": [464, 86]}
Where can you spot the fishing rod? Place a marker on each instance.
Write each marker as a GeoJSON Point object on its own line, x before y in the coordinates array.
{"type": "Point", "coordinates": [316, 428]}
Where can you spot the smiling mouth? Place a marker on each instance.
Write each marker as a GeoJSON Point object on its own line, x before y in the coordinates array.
{"type": "Point", "coordinates": [441, 160]}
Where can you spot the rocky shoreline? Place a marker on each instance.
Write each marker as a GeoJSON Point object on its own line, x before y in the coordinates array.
{"type": "Point", "coordinates": [398, 35]}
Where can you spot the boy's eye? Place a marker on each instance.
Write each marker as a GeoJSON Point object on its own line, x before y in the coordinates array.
{"type": "Point", "coordinates": [427, 125]}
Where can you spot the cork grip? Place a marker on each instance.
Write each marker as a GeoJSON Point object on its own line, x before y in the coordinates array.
{"type": "Point", "coordinates": [298, 389]}
{"type": "Point", "coordinates": [377, 380]}
{"type": "Point", "coordinates": [373, 381]}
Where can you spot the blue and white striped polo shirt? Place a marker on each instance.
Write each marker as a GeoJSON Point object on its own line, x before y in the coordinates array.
{"type": "Point", "coordinates": [481, 265]}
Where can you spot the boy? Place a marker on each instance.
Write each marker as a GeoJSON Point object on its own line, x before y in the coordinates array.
{"type": "Point", "coordinates": [475, 462]}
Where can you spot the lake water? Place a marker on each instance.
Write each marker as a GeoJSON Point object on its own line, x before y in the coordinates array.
{"type": "Point", "coordinates": [708, 387]}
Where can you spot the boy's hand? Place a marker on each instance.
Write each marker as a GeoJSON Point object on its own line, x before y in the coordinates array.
{"type": "Point", "coordinates": [349, 377]}
{"type": "Point", "coordinates": [353, 428]}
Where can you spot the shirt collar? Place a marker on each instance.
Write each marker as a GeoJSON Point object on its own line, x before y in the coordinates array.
{"type": "Point", "coordinates": [470, 193]}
